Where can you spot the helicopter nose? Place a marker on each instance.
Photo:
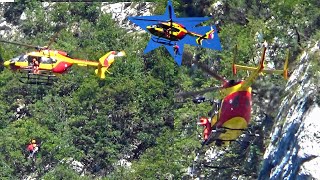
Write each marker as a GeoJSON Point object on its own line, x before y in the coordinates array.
{"type": "Point", "coordinates": [6, 63]}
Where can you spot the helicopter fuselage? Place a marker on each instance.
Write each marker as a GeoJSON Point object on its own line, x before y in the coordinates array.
{"type": "Point", "coordinates": [234, 113]}
{"type": "Point", "coordinates": [170, 30]}
{"type": "Point", "coordinates": [49, 60]}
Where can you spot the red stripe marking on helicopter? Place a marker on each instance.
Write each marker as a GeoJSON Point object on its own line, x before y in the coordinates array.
{"type": "Point", "coordinates": [181, 35]}
{"type": "Point", "coordinates": [61, 67]}
{"type": "Point", "coordinates": [63, 53]}
{"type": "Point", "coordinates": [237, 104]}
{"type": "Point", "coordinates": [14, 68]}
{"type": "Point", "coordinates": [181, 25]}
{"type": "Point", "coordinates": [106, 62]}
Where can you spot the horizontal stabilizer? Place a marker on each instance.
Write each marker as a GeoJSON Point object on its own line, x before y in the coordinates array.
{"type": "Point", "coordinates": [101, 72]}
{"type": "Point", "coordinates": [208, 35]}
{"type": "Point", "coordinates": [283, 72]}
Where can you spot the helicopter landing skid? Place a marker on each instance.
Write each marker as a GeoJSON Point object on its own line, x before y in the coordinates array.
{"type": "Point", "coordinates": [38, 79]}
{"type": "Point", "coordinates": [214, 136]}
{"type": "Point", "coordinates": [163, 41]}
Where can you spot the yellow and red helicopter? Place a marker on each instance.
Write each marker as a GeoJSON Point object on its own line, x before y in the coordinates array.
{"type": "Point", "coordinates": [233, 111]}
{"type": "Point", "coordinates": [44, 65]}
{"type": "Point", "coordinates": [171, 28]}
{"type": "Point", "coordinates": [173, 31]}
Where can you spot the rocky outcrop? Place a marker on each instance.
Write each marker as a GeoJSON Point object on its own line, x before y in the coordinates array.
{"type": "Point", "coordinates": [7, 30]}
{"type": "Point", "coordinates": [293, 152]}
{"type": "Point", "coordinates": [120, 12]}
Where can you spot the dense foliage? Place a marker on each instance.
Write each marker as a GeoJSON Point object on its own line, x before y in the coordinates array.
{"type": "Point", "coordinates": [132, 116]}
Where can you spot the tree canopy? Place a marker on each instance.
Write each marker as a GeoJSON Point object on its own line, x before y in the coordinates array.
{"type": "Point", "coordinates": [132, 116]}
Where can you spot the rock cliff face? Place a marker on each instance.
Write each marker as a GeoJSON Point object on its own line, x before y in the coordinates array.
{"type": "Point", "coordinates": [7, 29]}
{"type": "Point", "coordinates": [293, 152]}
{"type": "Point", "coordinates": [9, 24]}
{"type": "Point", "coordinates": [121, 11]}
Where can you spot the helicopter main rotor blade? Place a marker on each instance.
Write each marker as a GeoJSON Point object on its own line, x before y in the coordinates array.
{"type": "Point", "coordinates": [1, 63]}
{"type": "Point", "coordinates": [153, 20]}
{"type": "Point", "coordinates": [54, 37]}
{"type": "Point", "coordinates": [194, 93]}
{"type": "Point", "coordinates": [170, 12]}
{"type": "Point", "coordinates": [20, 44]}
{"type": "Point", "coordinates": [210, 72]}
{"type": "Point", "coordinates": [162, 20]}
{"type": "Point", "coordinates": [170, 16]}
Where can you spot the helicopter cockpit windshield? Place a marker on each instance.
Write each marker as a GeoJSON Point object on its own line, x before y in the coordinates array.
{"type": "Point", "coordinates": [156, 26]}
{"type": "Point", "coordinates": [20, 58]}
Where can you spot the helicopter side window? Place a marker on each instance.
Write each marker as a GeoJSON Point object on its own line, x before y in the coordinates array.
{"type": "Point", "coordinates": [174, 29]}
{"type": "Point", "coordinates": [19, 58]}
{"type": "Point", "coordinates": [165, 26]}
{"type": "Point", "coordinates": [23, 58]}
{"type": "Point", "coordinates": [46, 60]}
{"type": "Point", "coordinates": [159, 25]}
{"type": "Point", "coordinates": [15, 59]}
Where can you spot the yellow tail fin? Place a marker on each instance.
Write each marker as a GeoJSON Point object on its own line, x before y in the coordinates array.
{"type": "Point", "coordinates": [285, 67]}
{"type": "Point", "coordinates": [208, 35]}
{"type": "Point", "coordinates": [105, 62]}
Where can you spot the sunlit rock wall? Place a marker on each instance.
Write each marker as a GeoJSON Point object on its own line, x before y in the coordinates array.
{"type": "Point", "coordinates": [294, 149]}
{"type": "Point", "coordinates": [7, 29]}
{"type": "Point", "coordinates": [120, 12]}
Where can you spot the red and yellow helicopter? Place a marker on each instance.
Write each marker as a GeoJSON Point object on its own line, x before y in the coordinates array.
{"type": "Point", "coordinates": [44, 65]}
{"type": "Point", "coordinates": [173, 31]}
{"type": "Point", "coordinates": [233, 112]}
